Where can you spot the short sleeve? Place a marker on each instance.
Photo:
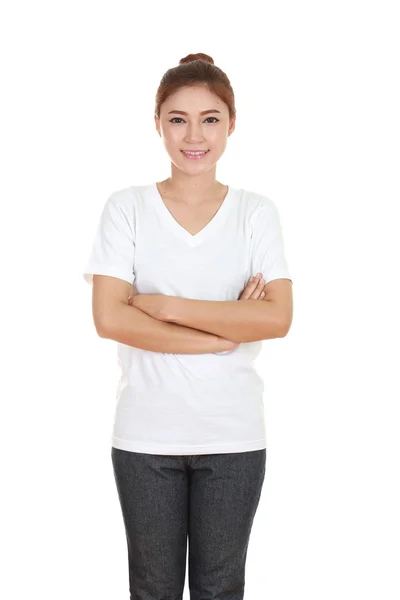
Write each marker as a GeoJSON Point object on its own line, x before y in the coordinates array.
{"type": "Point", "coordinates": [267, 248]}
{"type": "Point", "coordinates": [113, 248]}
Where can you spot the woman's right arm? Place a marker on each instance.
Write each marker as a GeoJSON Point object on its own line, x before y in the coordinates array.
{"type": "Point", "coordinates": [133, 327]}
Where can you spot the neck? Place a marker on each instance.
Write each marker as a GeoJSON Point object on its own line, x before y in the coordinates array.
{"type": "Point", "coordinates": [190, 192]}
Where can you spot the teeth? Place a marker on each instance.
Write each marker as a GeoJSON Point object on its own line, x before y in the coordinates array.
{"type": "Point", "coordinates": [195, 153]}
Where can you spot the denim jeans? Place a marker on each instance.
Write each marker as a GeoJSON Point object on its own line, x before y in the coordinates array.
{"type": "Point", "coordinates": [207, 502]}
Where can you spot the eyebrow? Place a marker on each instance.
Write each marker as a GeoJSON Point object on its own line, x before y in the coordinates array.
{"type": "Point", "coordinates": [205, 112]}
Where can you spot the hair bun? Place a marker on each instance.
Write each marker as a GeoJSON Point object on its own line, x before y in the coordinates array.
{"type": "Point", "coordinates": [198, 56]}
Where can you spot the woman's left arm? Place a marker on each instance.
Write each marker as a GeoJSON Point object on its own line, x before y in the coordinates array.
{"type": "Point", "coordinates": [233, 320]}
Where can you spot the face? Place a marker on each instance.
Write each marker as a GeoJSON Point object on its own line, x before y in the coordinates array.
{"type": "Point", "coordinates": [194, 131]}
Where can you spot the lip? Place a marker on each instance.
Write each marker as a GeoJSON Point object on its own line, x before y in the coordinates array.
{"type": "Point", "coordinates": [200, 150]}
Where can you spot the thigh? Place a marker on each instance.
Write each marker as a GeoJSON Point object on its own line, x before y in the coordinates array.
{"type": "Point", "coordinates": [153, 494]}
{"type": "Point", "coordinates": [224, 493]}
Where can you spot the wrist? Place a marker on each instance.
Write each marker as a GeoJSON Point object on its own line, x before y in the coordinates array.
{"type": "Point", "coordinates": [224, 345]}
{"type": "Point", "coordinates": [171, 309]}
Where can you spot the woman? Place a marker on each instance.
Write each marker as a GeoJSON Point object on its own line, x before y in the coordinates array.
{"type": "Point", "coordinates": [188, 445]}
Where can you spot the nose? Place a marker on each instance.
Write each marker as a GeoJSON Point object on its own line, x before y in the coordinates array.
{"type": "Point", "coordinates": [194, 134]}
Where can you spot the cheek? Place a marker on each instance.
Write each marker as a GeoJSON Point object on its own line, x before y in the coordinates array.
{"type": "Point", "coordinates": [217, 140]}
{"type": "Point", "coordinates": [172, 141]}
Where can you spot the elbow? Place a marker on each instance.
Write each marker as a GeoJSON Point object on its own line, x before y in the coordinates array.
{"type": "Point", "coordinates": [105, 324]}
{"type": "Point", "coordinates": [280, 330]}
{"type": "Point", "coordinates": [285, 328]}
{"type": "Point", "coordinates": [101, 333]}
{"type": "Point", "coordinates": [101, 330]}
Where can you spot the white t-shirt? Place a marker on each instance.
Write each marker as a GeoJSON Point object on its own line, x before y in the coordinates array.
{"type": "Point", "coordinates": [186, 404]}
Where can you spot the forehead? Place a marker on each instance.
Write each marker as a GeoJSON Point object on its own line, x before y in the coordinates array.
{"type": "Point", "coordinates": [194, 100]}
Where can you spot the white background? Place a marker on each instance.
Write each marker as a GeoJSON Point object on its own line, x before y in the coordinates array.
{"type": "Point", "coordinates": [317, 97]}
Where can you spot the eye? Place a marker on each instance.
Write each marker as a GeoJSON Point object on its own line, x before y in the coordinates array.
{"type": "Point", "coordinates": [180, 119]}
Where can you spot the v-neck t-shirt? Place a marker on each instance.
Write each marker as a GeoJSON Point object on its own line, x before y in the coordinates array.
{"type": "Point", "coordinates": [188, 404]}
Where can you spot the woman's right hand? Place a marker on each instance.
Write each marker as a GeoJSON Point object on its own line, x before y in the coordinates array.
{"type": "Point", "coordinates": [254, 290]}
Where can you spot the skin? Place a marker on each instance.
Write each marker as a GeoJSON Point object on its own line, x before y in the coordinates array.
{"type": "Point", "coordinates": [158, 306]}
{"type": "Point", "coordinates": [192, 182]}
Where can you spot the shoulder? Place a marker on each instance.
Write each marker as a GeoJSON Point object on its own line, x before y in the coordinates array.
{"type": "Point", "coordinates": [128, 196]}
{"type": "Point", "coordinates": [257, 205]}
{"type": "Point", "coordinates": [127, 201]}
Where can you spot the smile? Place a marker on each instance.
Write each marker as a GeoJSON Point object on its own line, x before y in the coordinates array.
{"type": "Point", "coordinates": [195, 155]}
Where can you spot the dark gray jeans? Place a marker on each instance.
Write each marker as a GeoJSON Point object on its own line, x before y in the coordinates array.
{"type": "Point", "coordinates": [208, 500]}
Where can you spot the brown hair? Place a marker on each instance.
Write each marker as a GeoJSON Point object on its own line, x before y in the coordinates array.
{"type": "Point", "coordinates": [196, 70]}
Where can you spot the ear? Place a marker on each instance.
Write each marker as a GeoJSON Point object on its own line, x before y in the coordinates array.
{"type": "Point", "coordinates": [157, 122]}
{"type": "Point", "coordinates": [232, 126]}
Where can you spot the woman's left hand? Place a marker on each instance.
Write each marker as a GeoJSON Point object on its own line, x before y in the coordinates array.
{"type": "Point", "coordinates": [155, 305]}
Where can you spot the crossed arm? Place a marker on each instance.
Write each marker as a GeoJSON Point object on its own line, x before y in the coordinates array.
{"type": "Point", "coordinates": [238, 321]}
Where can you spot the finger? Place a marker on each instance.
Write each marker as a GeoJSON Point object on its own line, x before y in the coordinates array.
{"type": "Point", "coordinates": [251, 287]}
{"type": "Point", "coordinates": [254, 281]}
{"type": "Point", "coordinates": [259, 289]}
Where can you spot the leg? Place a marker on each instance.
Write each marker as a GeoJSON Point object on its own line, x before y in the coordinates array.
{"type": "Point", "coordinates": [153, 494]}
{"type": "Point", "coordinates": [224, 494]}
